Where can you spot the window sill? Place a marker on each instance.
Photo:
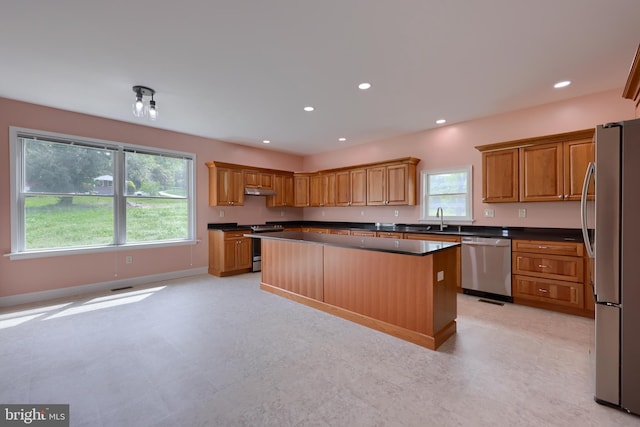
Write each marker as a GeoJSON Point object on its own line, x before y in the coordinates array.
{"type": "Point", "coordinates": [95, 249]}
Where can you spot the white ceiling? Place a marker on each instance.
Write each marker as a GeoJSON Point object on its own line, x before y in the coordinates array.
{"type": "Point", "coordinates": [242, 70]}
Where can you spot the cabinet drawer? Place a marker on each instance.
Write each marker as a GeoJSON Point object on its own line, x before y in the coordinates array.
{"type": "Point", "coordinates": [547, 247]}
{"type": "Point", "coordinates": [363, 233]}
{"type": "Point", "coordinates": [390, 234]}
{"type": "Point", "coordinates": [548, 266]}
{"type": "Point", "coordinates": [228, 235]}
{"type": "Point", "coordinates": [553, 291]}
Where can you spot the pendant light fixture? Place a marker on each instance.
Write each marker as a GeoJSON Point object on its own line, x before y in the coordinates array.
{"type": "Point", "coordinates": [139, 108]}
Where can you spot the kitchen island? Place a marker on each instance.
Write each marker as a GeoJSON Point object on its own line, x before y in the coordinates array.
{"type": "Point", "coordinates": [406, 288]}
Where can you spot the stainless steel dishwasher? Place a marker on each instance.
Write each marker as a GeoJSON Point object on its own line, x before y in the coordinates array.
{"type": "Point", "coordinates": [486, 267]}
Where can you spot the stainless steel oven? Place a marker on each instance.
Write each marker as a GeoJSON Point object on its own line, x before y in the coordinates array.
{"type": "Point", "coordinates": [256, 252]}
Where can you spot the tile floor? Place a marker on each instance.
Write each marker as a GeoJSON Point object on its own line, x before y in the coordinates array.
{"type": "Point", "coordinates": [206, 351]}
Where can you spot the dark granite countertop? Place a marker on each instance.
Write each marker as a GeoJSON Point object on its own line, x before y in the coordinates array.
{"type": "Point", "coordinates": [526, 233]}
{"type": "Point", "coordinates": [397, 246]}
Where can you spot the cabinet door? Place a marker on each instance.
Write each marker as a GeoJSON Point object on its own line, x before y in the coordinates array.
{"type": "Point", "coordinates": [548, 266]}
{"type": "Point", "coordinates": [315, 190]}
{"type": "Point", "coordinates": [398, 185]}
{"type": "Point", "coordinates": [329, 189]}
{"type": "Point", "coordinates": [551, 291]}
{"type": "Point", "coordinates": [343, 188]}
{"type": "Point", "coordinates": [358, 187]}
{"type": "Point", "coordinates": [500, 176]}
{"type": "Point", "coordinates": [288, 191]}
{"type": "Point", "coordinates": [243, 254]}
{"type": "Point", "coordinates": [541, 176]}
{"type": "Point", "coordinates": [377, 186]}
{"type": "Point", "coordinates": [577, 155]}
{"type": "Point", "coordinates": [277, 199]}
{"type": "Point", "coordinates": [301, 190]}
{"type": "Point", "coordinates": [228, 188]}
{"type": "Point", "coordinates": [230, 255]}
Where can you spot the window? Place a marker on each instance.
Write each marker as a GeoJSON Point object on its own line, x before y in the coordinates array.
{"type": "Point", "coordinates": [71, 193]}
{"type": "Point", "coordinates": [449, 189]}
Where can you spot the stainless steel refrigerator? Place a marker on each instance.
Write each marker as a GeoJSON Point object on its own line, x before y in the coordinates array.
{"type": "Point", "coordinates": [615, 247]}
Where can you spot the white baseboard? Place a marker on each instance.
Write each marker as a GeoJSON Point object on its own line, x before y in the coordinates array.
{"type": "Point", "coordinates": [34, 297]}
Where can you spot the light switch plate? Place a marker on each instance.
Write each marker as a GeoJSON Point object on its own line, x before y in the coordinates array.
{"type": "Point", "coordinates": [522, 213]}
{"type": "Point", "coordinates": [488, 212]}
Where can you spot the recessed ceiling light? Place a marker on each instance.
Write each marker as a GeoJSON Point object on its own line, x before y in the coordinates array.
{"type": "Point", "coordinates": [266, 141]}
{"type": "Point", "coordinates": [309, 108]}
{"type": "Point", "coordinates": [440, 121]}
{"type": "Point", "coordinates": [342, 139]}
{"type": "Point", "coordinates": [364, 86]}
{"type": "Point", "coordinates": [562, 84]}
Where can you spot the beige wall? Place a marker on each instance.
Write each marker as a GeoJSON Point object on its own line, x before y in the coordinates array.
{"type": "Point", "coordinates": [453, 145]}
{"type": "Point", "coordinates": [442, 147]}
{"type": "Point", "coordinates": [42, 274]}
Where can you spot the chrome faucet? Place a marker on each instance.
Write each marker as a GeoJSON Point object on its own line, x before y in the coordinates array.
{"type": "Point", "coordinates": [440, 214]}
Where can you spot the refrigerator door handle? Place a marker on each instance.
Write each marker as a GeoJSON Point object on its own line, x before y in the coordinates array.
{"type": "Point", "coordinates": [591, 168]}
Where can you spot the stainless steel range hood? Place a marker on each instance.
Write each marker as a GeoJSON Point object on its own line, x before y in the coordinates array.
{"type": "Point", "coordinates": [259, 192]}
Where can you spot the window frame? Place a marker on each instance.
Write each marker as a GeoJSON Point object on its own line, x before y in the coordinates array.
{"type": "Point", "coordinates": [424, 204]}
{"type": "Point", "coordinates": [119, 148]}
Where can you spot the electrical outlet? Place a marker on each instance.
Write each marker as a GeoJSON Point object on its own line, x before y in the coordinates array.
{"type": "Point", "coordinates": [488, 212]}
{"type": "Point", "coordinates": [129, 259]}
{"type": "Point", "coordinates": [322, 213]}
{"type": "Point", "coordinates": [522, 213]}
{"type": "Point", "coordinates": [361, 213]}
{"type": "Point", "coordinates": [440, 276]}
{"type": "Point", "coordinates": [221, 214]}
{"type": "Point", "coordinates": [395, 213]}
{"type": "Point", "coordinates": [281, 213]}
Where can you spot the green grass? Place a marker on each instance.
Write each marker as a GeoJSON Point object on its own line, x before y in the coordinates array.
{"type": "Point", "coordinates": [89, 220]}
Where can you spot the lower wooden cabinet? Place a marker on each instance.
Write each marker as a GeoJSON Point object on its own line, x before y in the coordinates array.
{"type": "Point", "coordinates": [229, 253]}
{"type": "Point", "coordinates": [363, 233]}
{"type": "Point", "coordinates": [551, 275]}
{"type": "Point", "coordinates": [390, 234]}
{"type": "Point", "coordinates": [549, 291]}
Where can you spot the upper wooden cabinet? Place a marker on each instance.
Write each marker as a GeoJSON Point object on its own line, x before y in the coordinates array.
{"type": "Point", "coordinates": [577, 155]}
{"type": "Point", "coordinates": [392, 184]}
{"type": "Point", "coordinates": [351, 187]}
{"type": "Point", "coordinates": [301, 190]}
{"type": "Point", "coordinates": [541, 176]}
{"type": "Point", "coordinates": [322, 189]}
{"type": "Point", "coordinates": [283, 186]}
{"type": "Point", "coordinates": [500, 176]}
{"type": "Point", "coordinates": [226, 186]}
{"type": "Point", "coordinates": [258, 179]}
{"type": "Point", "coordinates": [549, 168]}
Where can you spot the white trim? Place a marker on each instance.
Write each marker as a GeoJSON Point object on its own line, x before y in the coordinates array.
{"type": "Point", "coordinates": [74, 291]}
{"type": "Point", "coordinates": [97, 249]}
{"type": "Point", "coordinates": [17, 219]}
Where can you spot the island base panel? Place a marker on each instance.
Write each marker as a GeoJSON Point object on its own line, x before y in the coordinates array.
{"type": "Point", "coordinates": [430, 342]}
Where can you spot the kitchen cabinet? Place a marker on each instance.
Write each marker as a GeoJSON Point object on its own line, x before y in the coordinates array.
{"type": "Point", "coordinates": [390, 234]}
{"type": "Point", "coordinates": [340, 232]}
{"type": "Point", "coordinates": [541, 173]}
{"type": "Point", "coordinates": [577, 156]}
{"type": "Point", "coordinates": [443, 238]}
{"type": "Point", "coordinates": [229, 252]}
{"type": "Point", "coordinates": [363, 233]}
{"type": "Point", "coordinates": [301, 190]}
{"type": "Point", "coordinates": [226, 186]}
{"type": "Point", "coordinates": [548, 168]}
{"type": "Point", "coordinates": [549, 275]}
{"type": "Point", "coordinates": [283, 186]}
{"type": "Point", "coordinates": [315, 230]}
{"type": "Point", "coordinates": [351, 187]}
{"type": "Point", "coordinates": [322, 189]}
{"type": "Point", "coordinates": [258, 179]}
{"type": "Point", "coordinates": [500, 176]}
{"type": "Point", "coordinates": [392, 184]}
